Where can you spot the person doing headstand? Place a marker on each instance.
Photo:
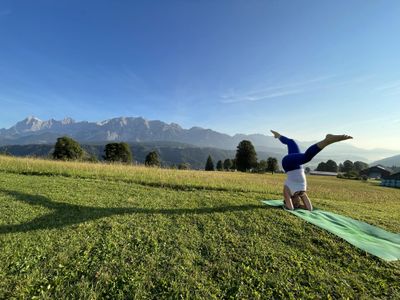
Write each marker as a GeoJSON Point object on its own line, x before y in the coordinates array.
{"type": "Point", "coordinates": [295, 185]}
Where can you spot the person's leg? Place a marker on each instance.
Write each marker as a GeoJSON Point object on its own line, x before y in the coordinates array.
{"type": "Point", "coordinates": [313, 150]}
{"type": "Point", "coordinates": [292, 161]}
{"type": "Point", "coordinates": [310, 153]}
{"type": "Point", "coordinates": [290, 143]}
{"type": "Point", "coordinates": [287, 198]}
{"type": "Point", "coordinates": [332, 138]}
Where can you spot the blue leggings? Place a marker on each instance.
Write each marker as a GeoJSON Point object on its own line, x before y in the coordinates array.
{"type": "Point", "coordinates": [295, 158]}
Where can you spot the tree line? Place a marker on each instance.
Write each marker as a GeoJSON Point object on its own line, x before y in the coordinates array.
{"type": "Point", "coordinates": [348, 169]}
{"type": "Point", "coordinates": [67, 148]}
{"type": "Point", "coordinates": [345, 167]}
{"type": "Point", "coordinates": [244, 161]}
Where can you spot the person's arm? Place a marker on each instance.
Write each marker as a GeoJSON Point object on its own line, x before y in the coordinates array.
{"type": "Point", "coordinates": [287, 198]}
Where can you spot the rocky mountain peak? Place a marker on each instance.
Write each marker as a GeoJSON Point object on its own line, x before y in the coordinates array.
{"type": "Point", "coordinates": [67, 121]}
{"type": "Point", "coordinates": [30, 123]}
{"type": "Point", "coordinates": [30, 120]}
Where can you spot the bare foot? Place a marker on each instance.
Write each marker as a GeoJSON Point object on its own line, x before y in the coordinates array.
{"type": "Point", "coordinates": [276, 134]}
{"type": "Point", "coordinates": [333, 138]}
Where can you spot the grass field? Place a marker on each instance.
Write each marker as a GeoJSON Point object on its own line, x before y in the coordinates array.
{"type": "Point", "coordinates": [93, 231]}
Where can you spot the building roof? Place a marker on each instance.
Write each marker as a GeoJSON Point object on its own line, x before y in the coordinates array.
{"type": "Point", "coordinates": [377, 168]}
{"type": "Point", "coordinates": [393, 176]}
{"type": "Point", "coordinates": [384, 168]}
{"type": "Point", "coordinates": [323, 173]}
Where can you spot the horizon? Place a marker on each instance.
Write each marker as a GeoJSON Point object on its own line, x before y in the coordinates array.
{"type": "Point", "coordinates": [234, 67]}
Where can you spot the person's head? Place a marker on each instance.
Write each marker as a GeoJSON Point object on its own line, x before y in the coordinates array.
{"type": "Point", "coordinates": [296, 201]}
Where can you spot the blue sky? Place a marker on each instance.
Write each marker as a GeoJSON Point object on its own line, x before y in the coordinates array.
{"type": "Point", "coordinates": [304, 68]}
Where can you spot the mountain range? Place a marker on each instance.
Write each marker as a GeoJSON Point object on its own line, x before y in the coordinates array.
{"type": "Point", "coordinates": [138, 130]}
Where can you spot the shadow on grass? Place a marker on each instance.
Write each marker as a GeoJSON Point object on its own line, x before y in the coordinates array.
{"type": "Point", "coordinates": [65, 214]}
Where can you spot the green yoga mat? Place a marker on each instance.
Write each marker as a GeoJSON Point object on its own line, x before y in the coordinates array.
{"type": "Point", "coordinates": [372, 239]}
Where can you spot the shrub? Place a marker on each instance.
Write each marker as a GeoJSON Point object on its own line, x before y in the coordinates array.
{"type": "Point", "coordinates": [184, 166]}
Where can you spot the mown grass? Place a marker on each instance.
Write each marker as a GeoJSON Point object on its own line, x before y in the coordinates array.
{"type": "Point", "coordinates": [92, 231]}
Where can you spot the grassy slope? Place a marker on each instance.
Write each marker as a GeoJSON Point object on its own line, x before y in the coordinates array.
{"type": "Point", "coordinates": [71, 230]}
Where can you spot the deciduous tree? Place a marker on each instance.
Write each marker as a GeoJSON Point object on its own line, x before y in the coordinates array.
{"type": "Point", "coordinates": [272, 165]}
{"type": "Point", "coordinates": [246, 156]}
{"type": "Point", "coordinates": [67, 148]}
{"type": "Point", "coordinates": [118, 152]}
{"type": "Point", "coordinates": [227, 164]}
{"type": "Point", "coordinates": [152, 159]}
{"type": "Point", "coordinates": [359, 166]}
{"type": "Point", "coordinates": [331, 166]}
{"type": "Point", "coordinates": [347, 166]}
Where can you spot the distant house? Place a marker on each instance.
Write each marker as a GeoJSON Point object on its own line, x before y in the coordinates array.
{"type": "Point", "coordinates": [323, 173]}
{"type": "Point", "coordinates": [376, 172]}
{"type": "Point", "coordinates": [392, 180]}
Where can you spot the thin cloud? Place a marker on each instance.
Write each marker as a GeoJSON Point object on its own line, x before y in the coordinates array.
{"type": "Point", "coordinates": [292, 85]}
{"type": "Point", "coordinates": [263, 97]}
{"type": "Point", "coordinates": [275, 91]}
{"type": "Point", "coordinates": [309, 85]}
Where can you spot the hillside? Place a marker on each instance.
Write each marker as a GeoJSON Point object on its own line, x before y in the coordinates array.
{"type": "Point", "coordinates": [388, 162]}
{"type": "Point", "coordinates": [80, 230]}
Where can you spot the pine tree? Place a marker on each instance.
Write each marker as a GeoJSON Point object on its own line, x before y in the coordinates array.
{"type": "Point", "coordinates": [209, 164]}
{"type": "Point", "coordinates": [219, 165]}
